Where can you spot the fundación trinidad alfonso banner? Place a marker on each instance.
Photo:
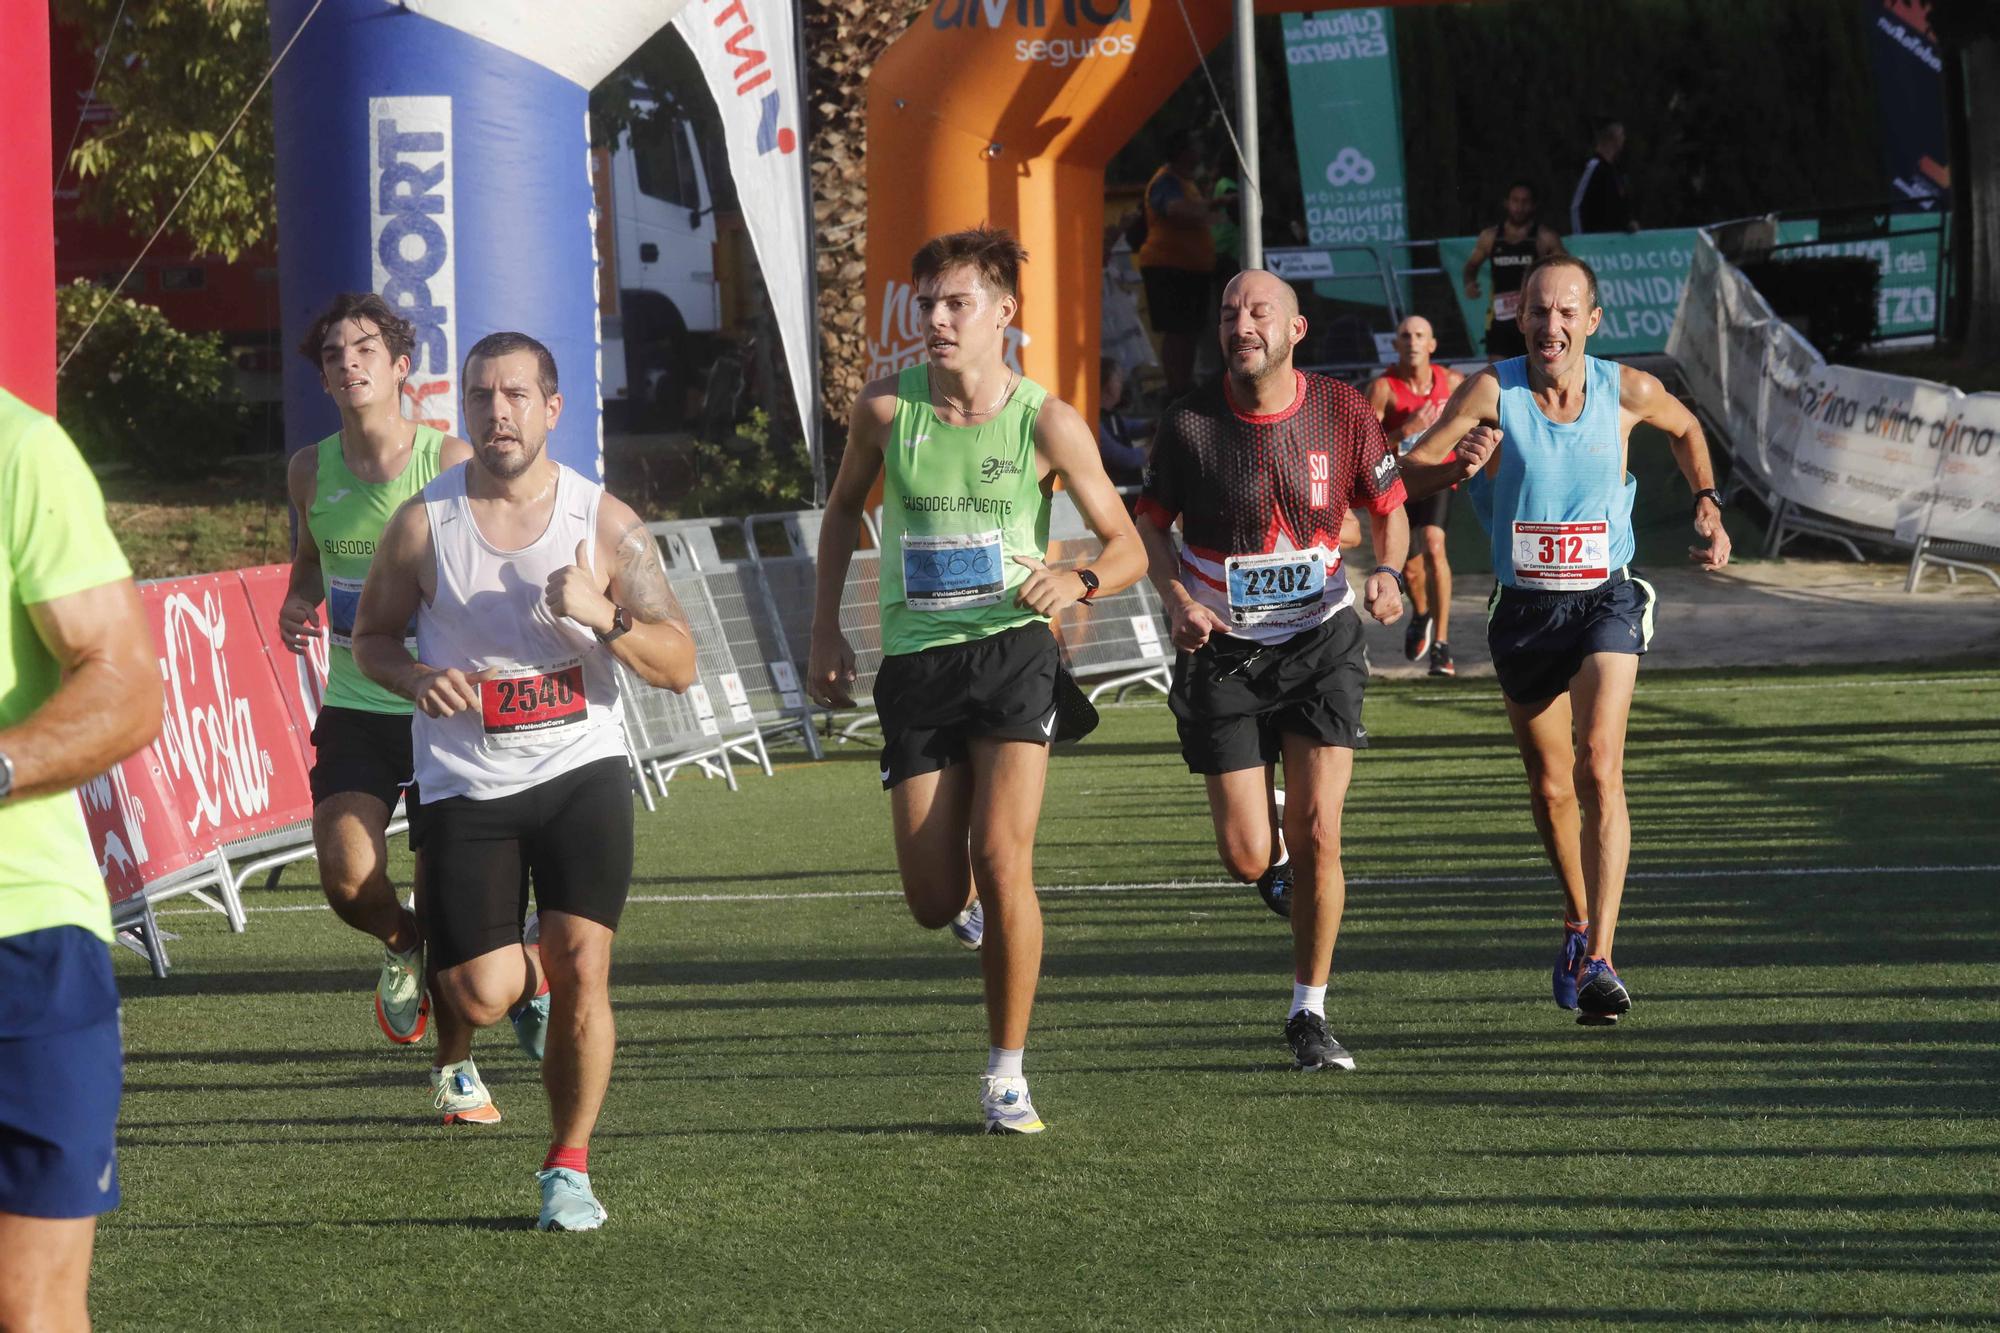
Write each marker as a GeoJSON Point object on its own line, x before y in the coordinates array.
{"type": "Point", "coordinates": [1347, 116]}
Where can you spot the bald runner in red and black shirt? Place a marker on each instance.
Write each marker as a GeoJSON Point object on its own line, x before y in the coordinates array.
{"type": "Point", "coordinates": [1242, 484]}
{"type": "Point", "coordinates": [1259, 469]}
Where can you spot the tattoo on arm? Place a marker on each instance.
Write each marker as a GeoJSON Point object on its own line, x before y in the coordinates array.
{"type": "Point", "coordinates": [642, 582]}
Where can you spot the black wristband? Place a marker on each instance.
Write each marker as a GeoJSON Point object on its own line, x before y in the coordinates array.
{"type": "Point", "coordinates": [1707, 493]}
{"type": "Point", "coordinates": [1402, 584]}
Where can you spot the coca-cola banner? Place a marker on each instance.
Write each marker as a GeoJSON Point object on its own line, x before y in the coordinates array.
{"type": "Point", "coordinates": [301, 676]}
{"type": "Point", "coordinates": [133, 833]}
{"type": "Point", "coordinates": [230, 754]}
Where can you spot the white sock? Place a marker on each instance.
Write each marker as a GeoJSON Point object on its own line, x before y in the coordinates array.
{"type": "Point", "coordinates": [1307, 997]}
{"type": "Point", "coordinates": [1003, 1063]}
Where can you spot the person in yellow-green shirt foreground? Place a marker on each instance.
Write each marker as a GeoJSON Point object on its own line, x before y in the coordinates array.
{"type": "Point", "coordinates": [79, 691]}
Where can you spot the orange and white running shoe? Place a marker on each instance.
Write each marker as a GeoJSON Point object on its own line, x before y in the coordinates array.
{"type": "Point", "coordinates": [461, 1095]}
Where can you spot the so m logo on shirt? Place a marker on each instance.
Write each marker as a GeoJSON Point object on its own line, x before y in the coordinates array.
{"type": "Point", "coordinates": [1320, 474]}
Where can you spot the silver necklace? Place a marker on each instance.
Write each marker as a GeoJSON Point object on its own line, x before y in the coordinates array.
{"type": "Point", "coordinates": [964, 411]}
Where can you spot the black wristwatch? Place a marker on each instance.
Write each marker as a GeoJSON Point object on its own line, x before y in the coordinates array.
{"type": "Point", "coordinates": [621, 623]}
{"type": "Point", "coordinates": [1089, 578]}
{"type": "Point", "coordinates": [1707, 493]}
{"type": "Point", "coordinates": [1402, 584]}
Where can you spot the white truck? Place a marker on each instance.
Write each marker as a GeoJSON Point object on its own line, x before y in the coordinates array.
{"type": "Point", "coordinates": [658, 295]}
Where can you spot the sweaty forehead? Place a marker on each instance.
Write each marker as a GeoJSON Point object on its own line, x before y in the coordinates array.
{"type": "Point", "coordinates": [959, 280]}
{"type": "Point", "coordinates": [1261, 289]}
{"type": "Point", "coordinates": [348, 332]}
{"type": "Point", "coordinates": [508, 370]}
{"type": "Point", "coordinates": [1562, 283]}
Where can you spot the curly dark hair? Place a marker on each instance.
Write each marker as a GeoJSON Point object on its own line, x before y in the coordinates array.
{"type": "Point", "coordinates": [398, 334]}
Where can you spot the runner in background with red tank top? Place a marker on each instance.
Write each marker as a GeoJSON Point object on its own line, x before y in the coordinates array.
{"type": "Point", "coordinates": [1406, 400]}
{"type": "Point", "coordinates": [1513, 244]}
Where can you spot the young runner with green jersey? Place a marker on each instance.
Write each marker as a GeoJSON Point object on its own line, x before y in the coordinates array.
{"type": "Point", "coordinates": [969, 452]}
{"type": "Point", "coordinates": [79, 690]}
{"type": "Point", "coordinates": [344, 490]}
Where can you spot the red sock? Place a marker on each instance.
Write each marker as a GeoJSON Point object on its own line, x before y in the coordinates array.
{"type": "Point", "coordinates": [575, 1159]}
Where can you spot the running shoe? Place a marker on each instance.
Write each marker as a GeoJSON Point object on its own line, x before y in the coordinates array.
{"type": "Point", "coordinates": [458, 1091]}
{"type": "Point", "coordinates": [969, 926]}
{"type": "Point", "coordinates": [1005, 1105]}
{"type": "Point", "coordinates": [531, 1026]}
{"type": "Point", "coordinates": [1274, 886]}
{"type": "Point", "coordinates": [1600, 996]}
{"type": "Point", "coordinates": [567, 1203]}
{"type": "Point", "coordinates": [1417, 638]}
{"type": "Point", "coordinates": [1441, 663]}
{"type": "Point", "coordinates": [1575, 950]}
{"type": "Point", "coordinates": [402, 1010]}
{"type": "Point", "coordinates": [1313, 1047]}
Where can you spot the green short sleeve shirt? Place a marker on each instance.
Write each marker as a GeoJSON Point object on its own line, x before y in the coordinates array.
{"type": "Point", "coordinates": [54, 541]}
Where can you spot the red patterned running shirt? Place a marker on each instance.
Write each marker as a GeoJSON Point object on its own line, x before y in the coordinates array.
{"type": "Point", "coordinates": [1260, 500]}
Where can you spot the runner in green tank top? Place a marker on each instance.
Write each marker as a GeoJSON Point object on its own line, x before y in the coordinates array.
{"type": "Point", "coordinates": [344, 490]}
{"type": "Point", "coordinates": [969, 453]}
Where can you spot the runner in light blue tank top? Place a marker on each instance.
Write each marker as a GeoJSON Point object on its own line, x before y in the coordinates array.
{"type": "Point", "coordinates": [1543, 439]}
{"type": "Point", "coordinates": [1557, 508]}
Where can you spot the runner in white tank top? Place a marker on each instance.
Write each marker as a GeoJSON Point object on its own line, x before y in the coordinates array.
{"type": "Point", "coordinates": [526, 581]}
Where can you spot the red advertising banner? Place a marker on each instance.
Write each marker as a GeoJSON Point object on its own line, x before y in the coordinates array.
{"type": "Point", "coordinates": [230, 756]}
{"type": "Point", "coordinates": [133, 832]}
{"type": "Point", "coordinates": [301, 676]}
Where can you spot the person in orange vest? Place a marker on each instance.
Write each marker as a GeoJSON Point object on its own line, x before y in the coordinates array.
{"type": "Point", "coordinates": [1177, 261]}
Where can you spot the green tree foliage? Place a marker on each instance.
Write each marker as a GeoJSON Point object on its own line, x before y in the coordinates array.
{"type": "Point", "coordinates": [140, 391]}
{"type": "Point", "coordinates": [750, 472]}
{"type": "Point", "coordinates": [177, 73]}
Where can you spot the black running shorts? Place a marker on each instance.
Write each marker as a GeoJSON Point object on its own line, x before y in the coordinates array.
{"type": "Point", "coordinates": [355, 750]}
{"type": "Point", "coordinates": [1233, 699]}
{"type": "Point", "coordinates": [1433, 511]}
{"type": "Point", "coordinates": [571, 835]}
{"type": "Point", "coordinates": [1539, 639]}
{"type": "Point", "coordinates": [932, 702]}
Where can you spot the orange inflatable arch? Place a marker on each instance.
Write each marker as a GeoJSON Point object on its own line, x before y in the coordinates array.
{"type": "Point", "coordinates": [1006, 112]}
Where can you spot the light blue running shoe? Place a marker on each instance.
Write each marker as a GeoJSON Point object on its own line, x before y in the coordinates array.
{"type": "Point", "coordinates": [567, 1203]}
{"type": "Point", "coordinates": [531, 1026]}
{"type": "Point", "coordinates": [969, 926]}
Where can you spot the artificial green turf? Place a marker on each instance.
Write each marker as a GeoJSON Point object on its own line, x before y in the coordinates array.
{"type": "Point", "coordinates": [1798, 1124]}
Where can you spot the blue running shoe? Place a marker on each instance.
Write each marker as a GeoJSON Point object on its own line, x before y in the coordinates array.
{"type": "Point", "coordinates": [567, 1203]}
{"type": "Point", "coordinates": [969, 926]}
{"type": "Point", "coordinates": [1275, 888]}
{"type": "Point", "coordinates": [1600, 996]}
{"type": "Point", "coordinates": [1576, 947]}
{"type": "Point", "coordinates": [531, 1026]}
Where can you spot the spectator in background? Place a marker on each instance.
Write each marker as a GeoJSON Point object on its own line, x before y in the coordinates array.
{"type": "Point", "coordinates": [1177, 261]}
{"type": "Point", "coordinates": [1121, 333]}
{"type": "Point", "coordinates": [1603, 200]}
{"type": "Point", "coordinates": [1122, 442]}
{"type": "Point", "coordinates": [1512, 245]}
{"type": "Point", "coordinates": [79, 691]}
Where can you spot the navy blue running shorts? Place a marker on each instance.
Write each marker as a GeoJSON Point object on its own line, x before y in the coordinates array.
{"type": "Point", "coordinates": [1233, 699]}
{"type": "Point", "coordinates": [358, 751]}
{"type": "Point", "coordinates": [1539, 639]}
{"type": "Point", "coordinates": [62, 1069]}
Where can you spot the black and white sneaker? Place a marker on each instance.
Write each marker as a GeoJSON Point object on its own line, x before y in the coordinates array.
{"type": "Point", "coordinates": [1274, 886]}
{"type": "Point", "coordinates": [1313, 1047]}
{"type": "Point", "coordinates": [1417, 638]}
{"type": "Point", "coordinates": [1441, 663]}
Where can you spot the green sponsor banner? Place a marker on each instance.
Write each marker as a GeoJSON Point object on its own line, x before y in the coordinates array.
{"type": "Point", "coordinates": [1906, 298]}
{"type": "Point", "coordinates": [1348, 123]}
{"type": "Point", "coordinates": [1640, 276]}
{"type": "Point", "coordinates": [1639, 279]}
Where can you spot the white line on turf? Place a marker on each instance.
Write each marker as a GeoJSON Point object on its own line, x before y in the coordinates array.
{"type": "Point", "coordinates": [1748, 872]}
